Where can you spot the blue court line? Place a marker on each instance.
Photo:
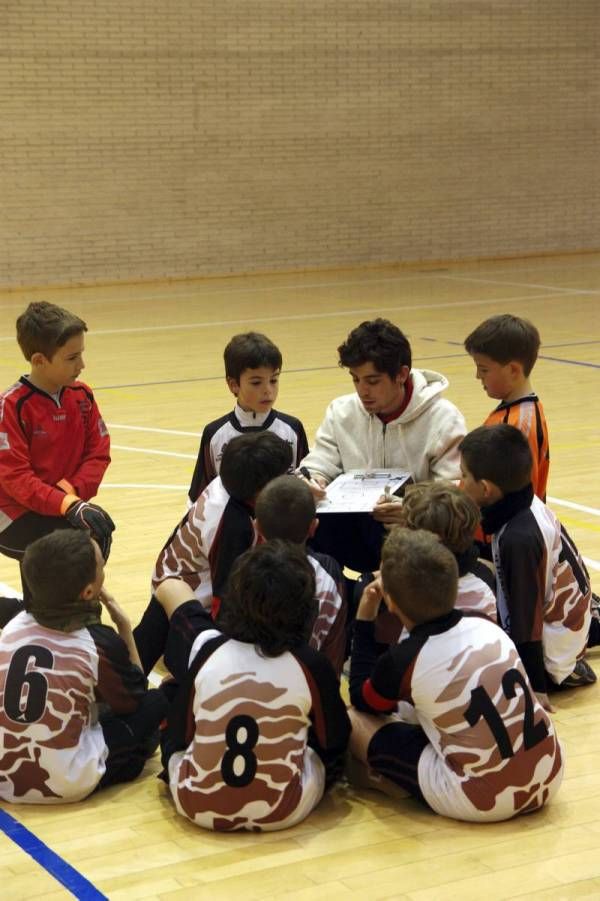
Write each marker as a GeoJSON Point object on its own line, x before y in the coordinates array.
{"type": "Point", "coordinates": [219, 378]}
{"type": "Point", "coordinates": [570, 362]}
{"type": "Point", "coordinates": [77, 884]}
{"type": "Point", "coordinates": [205, 378]}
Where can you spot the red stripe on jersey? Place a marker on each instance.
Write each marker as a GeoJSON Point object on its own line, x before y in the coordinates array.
{"type": "Point", "coordinates": [375, 700]}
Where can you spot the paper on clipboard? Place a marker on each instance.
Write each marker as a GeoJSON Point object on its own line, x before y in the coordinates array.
{"type": "Point", "coordinates": [357, 491]}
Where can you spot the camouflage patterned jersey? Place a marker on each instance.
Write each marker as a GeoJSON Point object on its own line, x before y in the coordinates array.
{"type": "Point", "coordinates": [260, 736]}
{"type": "Point", "coordinates": [51, 747]}
{"type": "Point", "coordinates": [492, 752]}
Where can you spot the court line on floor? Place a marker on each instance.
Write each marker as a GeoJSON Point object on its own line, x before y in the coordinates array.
{"type": "Point", "coordinates": [183, 286]}
{"type": "Point", "coordinates": [157, 453]}
{"type": "Point", "coordinates": [220, 378]}
{"type": "Point", "coordinates": [180, 286]}
{"type": "Point", "coordinates": [490, 281]}
{"type": "Point", "coordinates": [330, 314]}
{"type": "Point", "coordinates": [62, 871]}
{"type": "Point", "coordinates": [582, 508]}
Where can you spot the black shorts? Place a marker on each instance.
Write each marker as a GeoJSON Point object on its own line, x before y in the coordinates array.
{"type": "Point", "coordinates": [394, 752]}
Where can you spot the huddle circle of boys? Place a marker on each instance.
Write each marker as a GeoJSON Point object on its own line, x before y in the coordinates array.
{"type": "Point", "coordinates": [471, 612]}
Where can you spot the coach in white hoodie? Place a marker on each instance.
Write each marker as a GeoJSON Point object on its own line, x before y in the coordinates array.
{"type": "Point", "coordinates": [396, 418]}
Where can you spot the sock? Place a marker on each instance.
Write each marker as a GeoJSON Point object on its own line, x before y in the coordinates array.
{"type": "Point", "coordinates": [150, 635]}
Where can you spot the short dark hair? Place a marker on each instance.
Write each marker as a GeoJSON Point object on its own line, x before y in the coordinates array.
{"type": "Point", "coordinates": [419, 574]}
{"type": "Point", "coordinates": [270, 600]}
{"type": "Point", "coordinates": [250, 350]}
{"type": "Point", "coordinates": [58, 566]}
{"type": "Point", "coordinates": [250, 461]}
{"type": "Point", "coordinates": [285, 509]}
{"type": "Point", "coordinates": [379, 342]}
{"type": "Point", "coordinates": [504, 338]}
{"type": "Point", "coordinates": [444, 509]}
{"type": "Point", "coordinates": [44, 327]}
{"type": "Point", "coordinates": [500, 454]}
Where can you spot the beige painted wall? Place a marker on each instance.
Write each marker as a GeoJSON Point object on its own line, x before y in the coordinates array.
{"type": "Point", "coordinates": [169, 138]}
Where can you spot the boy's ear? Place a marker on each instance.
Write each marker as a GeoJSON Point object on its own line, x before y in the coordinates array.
{"type": "Point", "coordinates": [312, 528]}
{"type": "Point", "coordinates": [88, 592]}
{"type": "Point", "coordinates": [516, 370]}
{"type": "Point", "coordinates": [38, 358]}
{"type": "Point", "coordinates": [233, 385]}
{"type": "Point", "coordinates": [491, 492]}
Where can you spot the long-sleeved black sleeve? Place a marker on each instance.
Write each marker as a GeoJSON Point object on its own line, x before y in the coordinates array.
{"type": "Point", "coordinates": [330, 724]}
{"type": "Point", "coordinates": [121, 684]}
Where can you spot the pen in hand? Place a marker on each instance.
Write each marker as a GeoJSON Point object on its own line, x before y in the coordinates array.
{"type": "Point", "coordinates": [317, 489]}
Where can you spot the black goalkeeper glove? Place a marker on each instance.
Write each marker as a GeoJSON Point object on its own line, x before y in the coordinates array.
{"type": "Point", "coordinates": [83, 515]}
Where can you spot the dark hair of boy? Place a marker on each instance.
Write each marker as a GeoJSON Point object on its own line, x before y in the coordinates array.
{"type": "Point", "coordinates": [441, 508]}
{"type": "Point", "coordinates": [59, 566]}
{"type": "Point", "coordinates": [419, 574]}
{"type": "Point", "coordinates": [379, 342]}
{"type": "Point", "coordinates": [250, 461]}
{"type": "Point", "coordinates": [270, 600]}
{"type": "Point", "coordinates": [285, 509]}
{"type": "Point", "coordinates": [504, 338]}
{"type": "Point", "coordinates": [500, 454]}
{"type": "Point", "coordinates": [250, 350]}
{"type": "Point", "coordinates": [44, 327]}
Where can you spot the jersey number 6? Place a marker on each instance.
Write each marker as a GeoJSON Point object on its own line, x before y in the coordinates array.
{"type": "Point", "coordinates": [28, 706]}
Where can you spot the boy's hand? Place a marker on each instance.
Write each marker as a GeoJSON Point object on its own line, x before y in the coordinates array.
{"type": "Point", "coordinates": [316, 483]}
{"type": "Point", "coordinates": [83, 515]}
{"type": "Point", "coordinates": [387, 511]}
{"type": "Point", "coordinates": [115, 611]}
{"type": "Point", "coordinates": [370, 601]}
{"type": "Point", "coordinates": [544, 700]}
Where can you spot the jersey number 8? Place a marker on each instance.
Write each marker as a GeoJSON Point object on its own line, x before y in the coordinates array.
{"type": "Point", "coordinates": [238, 766]}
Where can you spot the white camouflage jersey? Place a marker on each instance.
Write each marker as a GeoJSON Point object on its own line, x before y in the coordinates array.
{"type": "Point", "coordinates": [329, 627]}
{"type": "Point", "coordinates": [204, 546]}
{"type": "Point", "coordinates": [493, 752]}
{"type": "Point", "coordinates": [51, 747]}
{"type": "Point", "coordinates": [242, 723]}
{"type": "Point", "coordinates": [544, 592]}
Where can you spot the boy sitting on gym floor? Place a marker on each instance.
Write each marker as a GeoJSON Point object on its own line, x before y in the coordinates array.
{"type": "Point", "coordinates": [542, 586]}
{"type": "Point", "coordinates": [75, 712]}
{"type": "Point", "coordinates": [444, 509]}
{"type": "Point", "coordinates": [258, 729]}
{"type": "Point", "coordinates": [285, 509]}
{"type": "Point", "coordinates": [217, 528]}
{"type": "Point", "coordinates": [252, 370]}
{"type": "Point", "coordinates": [504, 349]}
{"type": "Point", "coordinates": [483, 748]}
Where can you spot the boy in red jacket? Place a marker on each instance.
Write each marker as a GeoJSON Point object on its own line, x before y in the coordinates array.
{"type": "Point", "coordinates": [54, 446]}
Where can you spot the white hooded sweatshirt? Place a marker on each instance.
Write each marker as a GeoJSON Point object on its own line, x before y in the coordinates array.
{"type": "Point", "coordinates": [422, 440]}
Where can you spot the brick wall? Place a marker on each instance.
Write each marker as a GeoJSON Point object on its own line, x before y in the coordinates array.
{"type": "Point", "coordinates": [156, 138]}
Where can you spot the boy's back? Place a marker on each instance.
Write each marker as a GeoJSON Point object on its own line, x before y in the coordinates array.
{"type": "Point", "coordinates": [247, 764]}
{"type": "Point", "coordinates": [492, 750]}
{"type": "Point", "coordinates": [329, 627]}
{"type": "Point", "coordinates": [56, 751]}
{"type": "Point", "coordinates": [544, 592]}
{"type": "Point", "coordinates": [201, 550]}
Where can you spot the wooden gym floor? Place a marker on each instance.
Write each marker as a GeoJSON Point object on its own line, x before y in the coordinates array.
{"type": "Point", "coordinates": [154, 360]}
